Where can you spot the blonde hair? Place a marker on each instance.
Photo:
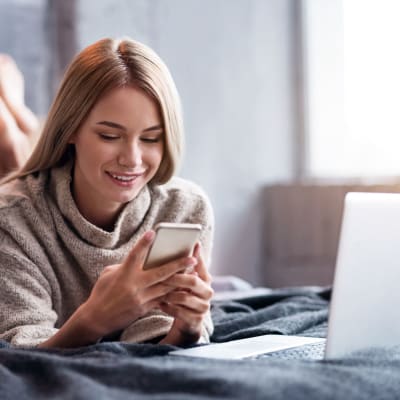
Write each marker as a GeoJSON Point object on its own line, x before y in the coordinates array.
{"type": "Point", "coordinates": [100, 67]}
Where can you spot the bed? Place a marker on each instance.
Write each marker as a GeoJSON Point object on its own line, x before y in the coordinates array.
{"type": "Point", "coordinates": [115, 370]}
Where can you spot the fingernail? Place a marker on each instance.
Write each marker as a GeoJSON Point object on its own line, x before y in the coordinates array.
{"type": "Point", "coordinates": [149, 236]}
{"type": "Point", "coordinates": [191, 262]}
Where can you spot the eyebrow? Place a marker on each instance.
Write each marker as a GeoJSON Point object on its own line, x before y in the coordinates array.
{"type": "Point", "coordinates": [111, 125]}
{"type": "Point", "coordinates": [154, 128]}
{"type": "Point", "coordinates": [118, 126]}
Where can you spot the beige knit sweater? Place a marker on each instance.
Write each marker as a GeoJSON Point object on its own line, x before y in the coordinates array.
{"type": "Point", "coordinates": [50, 256]}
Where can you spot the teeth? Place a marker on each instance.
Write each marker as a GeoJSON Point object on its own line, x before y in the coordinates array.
{"type": "Point", "coordinates": [123, 178]}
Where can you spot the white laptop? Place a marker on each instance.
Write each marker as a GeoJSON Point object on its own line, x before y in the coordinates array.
{"type": "Point", "coordinates": [366, 291]}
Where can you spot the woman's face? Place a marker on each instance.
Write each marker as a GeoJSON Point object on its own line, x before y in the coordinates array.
{"type": "Point", "coordinates": [119, 148]}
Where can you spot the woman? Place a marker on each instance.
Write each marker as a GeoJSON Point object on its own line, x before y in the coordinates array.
{"type": "Point", "coordinates": [76, 220]}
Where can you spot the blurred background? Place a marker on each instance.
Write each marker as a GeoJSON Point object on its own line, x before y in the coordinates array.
{"type": "Point", "coordinates": [288, 104]}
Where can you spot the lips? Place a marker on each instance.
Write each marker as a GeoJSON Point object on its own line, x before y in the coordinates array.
{"type": "Point", "coordinates": [124, 179]}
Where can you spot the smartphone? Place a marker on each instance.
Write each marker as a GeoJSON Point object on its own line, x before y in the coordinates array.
{"type": "Point", "coordinates": [172, 241]}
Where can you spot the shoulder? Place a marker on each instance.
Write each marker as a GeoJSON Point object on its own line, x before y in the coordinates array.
{"type": "Point", "coordinates": [182, 187]}
{"type": "Point", "coordinates": [20, 206]}
{"type": "Point", "coordinates": [183, 197]}
{"type": "Point", "coordinates": [15, 204]}
{"type": "Point", "coordinates": [23, 190]}
{"type": "Point", "coordinates": [183, 191]}
{"type": "Point", "coordinates": [12, 194]}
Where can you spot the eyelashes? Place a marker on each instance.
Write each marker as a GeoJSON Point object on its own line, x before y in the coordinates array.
{"type": "Point", "coordinates": [150, 140]}
{"type": "Point", "coordinates": [110, 138]}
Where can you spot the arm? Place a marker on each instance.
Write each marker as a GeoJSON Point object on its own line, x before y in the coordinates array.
{"type": "Point", "coordinates": [189, 323]}
{"type": "Point", "coordinates": [189, 302]}
{"type": "Point", "coordinates": [26, 314]}
{"type": "Point", "coordinates": [122, 294]}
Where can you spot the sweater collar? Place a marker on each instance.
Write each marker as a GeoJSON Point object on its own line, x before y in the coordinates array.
{"type": "Point", "coordinates": [129, 220]}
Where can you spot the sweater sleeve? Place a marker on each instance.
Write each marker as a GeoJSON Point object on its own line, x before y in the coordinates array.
{"type": "Point", "coordinates": [26, 314]}
{"type": "Point", "coordinates": [206, 240]}
{"type": "Point", "coordinates": [202, 213]}
{"type": "Point", "coordinates": [207, 235]}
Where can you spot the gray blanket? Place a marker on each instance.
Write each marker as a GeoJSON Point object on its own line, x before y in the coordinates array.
{"type": "Point", "coordinates": [119, 371]}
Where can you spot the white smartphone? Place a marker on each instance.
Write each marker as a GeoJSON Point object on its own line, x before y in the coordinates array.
{"type": "Point", "coordinates": [172, 241]}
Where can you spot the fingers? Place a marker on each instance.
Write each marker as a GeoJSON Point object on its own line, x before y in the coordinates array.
{"type": "Point", "coordinates": [197, 282]}
{"type": "Point", "coordinates": [187, 300]}
{"type": "Point", "coordinates": [137, 256]}
{"type": "Point", "coordinates": [192, 320]}
{"type": "Point", "coordinates": [155, 292]}
{"type": "Point", "coordinates": [187, 325]}
{"type": "Point", "coordinates": [134, 262]}
{"type": "Point", "coordinates": [160, 274]}
{"type": "Point", "coordinates": [191, 282]}
{"type": "Point", "coordinates": [181, 313]}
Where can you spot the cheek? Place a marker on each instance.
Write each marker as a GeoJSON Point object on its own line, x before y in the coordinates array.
{"type": "Point", "coordinates": [153, 156]}
{"type": "Point", "coordinates": [94, 153]}
{"type": "Point", "coordinates": [157, 156]}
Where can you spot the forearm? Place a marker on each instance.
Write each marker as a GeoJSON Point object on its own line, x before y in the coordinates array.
{"type": "Point", "coordinates": [77, 331]}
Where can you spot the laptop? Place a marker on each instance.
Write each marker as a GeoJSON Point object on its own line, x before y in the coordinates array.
{"type": "Point", "coordinates": [366, 291]}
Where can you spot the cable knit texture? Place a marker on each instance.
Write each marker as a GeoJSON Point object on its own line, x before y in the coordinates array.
{"type": "Point", "coordinates": [51, 256]}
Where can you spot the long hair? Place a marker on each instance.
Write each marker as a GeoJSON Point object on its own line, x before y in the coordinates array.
{"type": "Point", "coordinates": [100, 67]}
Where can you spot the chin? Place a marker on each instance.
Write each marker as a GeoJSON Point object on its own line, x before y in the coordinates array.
{"type": "Point", "coordinates": [124, 198]}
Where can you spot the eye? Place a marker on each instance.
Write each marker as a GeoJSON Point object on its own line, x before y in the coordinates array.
{"type": "Point", "coordinates": [108, 138]}
{"type": "Point", "coordinates": [151, 140]}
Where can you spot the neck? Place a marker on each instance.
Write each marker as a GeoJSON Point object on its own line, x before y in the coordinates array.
{"type": "Point", "coordinates": [100, 216]}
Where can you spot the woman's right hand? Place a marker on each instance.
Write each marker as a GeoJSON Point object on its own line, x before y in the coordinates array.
{"type": "Point", "coordinates": [125, 292]}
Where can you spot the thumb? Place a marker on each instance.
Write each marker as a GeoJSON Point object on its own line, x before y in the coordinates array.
{"type": "Point", "coordinates": [137, 256]}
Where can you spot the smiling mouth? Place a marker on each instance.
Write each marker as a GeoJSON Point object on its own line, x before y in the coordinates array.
{"type": "Point", "coordinates": [125, 178]}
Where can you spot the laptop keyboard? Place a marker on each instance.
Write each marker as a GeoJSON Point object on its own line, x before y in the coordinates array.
{"type": "Point", "coordinates": [312, 351]}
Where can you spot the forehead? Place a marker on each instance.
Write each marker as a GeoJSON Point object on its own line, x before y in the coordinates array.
{"type": "Point", "coordinates": [129, 106]}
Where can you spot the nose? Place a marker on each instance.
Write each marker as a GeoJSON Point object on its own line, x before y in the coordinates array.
{"type": "Point", "coordinates": [130, 155]}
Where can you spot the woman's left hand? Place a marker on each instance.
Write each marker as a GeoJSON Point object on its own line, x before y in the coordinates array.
{"type": "Point", "coordinates": [188, 303]}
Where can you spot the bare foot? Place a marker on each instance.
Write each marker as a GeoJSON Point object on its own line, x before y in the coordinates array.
{"type": "Point", "coordinates": [15, 145]}
{"type": "Point", "coordinates": [12, 93]}
{"type": "Point", "coordinates": [18, 125]}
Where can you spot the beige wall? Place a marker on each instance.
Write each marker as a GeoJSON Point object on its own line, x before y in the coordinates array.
{"type": "Point", "coordinates": [301, 230]}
